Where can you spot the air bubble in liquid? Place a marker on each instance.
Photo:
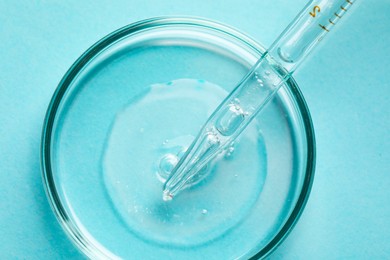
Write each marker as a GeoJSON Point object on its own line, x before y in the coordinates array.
{"type": "Point", "coordinates": [229, 151]}
{"type": "Point", "coordinates": [167, 163]}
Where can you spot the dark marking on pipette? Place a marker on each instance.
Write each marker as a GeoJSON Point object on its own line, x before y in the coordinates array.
{"type": "Point", "coordinates": [349, 2]}
{"type": "Point", "coordinates": [323, 27]}
{"type": "Point", "coordinates": [337, 15]}
{"type": "Point", "coordinates": [331, 22]}
{"type": "Point", "coordinates": [342, 8]}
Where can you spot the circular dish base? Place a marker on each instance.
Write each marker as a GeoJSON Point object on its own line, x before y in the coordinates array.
{"type": "Point", "coordinates": [125, 112]}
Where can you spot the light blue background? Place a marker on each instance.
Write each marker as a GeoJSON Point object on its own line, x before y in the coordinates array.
{"type": "Point", "coordinates": [346, 85]}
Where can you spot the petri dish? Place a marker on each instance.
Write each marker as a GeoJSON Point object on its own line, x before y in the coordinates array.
{"type": "Point", "coordinates": [127, 110]}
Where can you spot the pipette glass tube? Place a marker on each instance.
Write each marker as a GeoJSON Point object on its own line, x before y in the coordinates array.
{"type": "Point", "coordinates": [256, 89]}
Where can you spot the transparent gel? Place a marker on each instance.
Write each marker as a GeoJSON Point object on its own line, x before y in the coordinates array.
{"type": "Point", "coordinates": [170, 115]}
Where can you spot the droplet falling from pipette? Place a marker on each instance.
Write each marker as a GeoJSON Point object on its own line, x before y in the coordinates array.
{"type": "Point", "coordinates": [256, 89]}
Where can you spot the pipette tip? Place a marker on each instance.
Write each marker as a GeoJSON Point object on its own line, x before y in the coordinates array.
{"type": "Point", "coordinates": [167, 196]}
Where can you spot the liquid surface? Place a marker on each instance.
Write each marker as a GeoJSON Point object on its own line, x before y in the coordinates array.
{"type": "Point", "coordinates": [145, 142]}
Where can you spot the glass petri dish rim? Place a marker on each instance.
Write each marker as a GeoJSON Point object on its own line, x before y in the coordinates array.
{"type": "Point", "coordinates": [73, 232]}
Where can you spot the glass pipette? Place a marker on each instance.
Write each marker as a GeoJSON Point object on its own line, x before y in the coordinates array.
{"type": "Point", "coordinates": [256, 89]}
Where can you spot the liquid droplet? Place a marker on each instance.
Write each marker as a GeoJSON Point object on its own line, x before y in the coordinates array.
{"type": "Point", "coordinates": [167, 196]}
